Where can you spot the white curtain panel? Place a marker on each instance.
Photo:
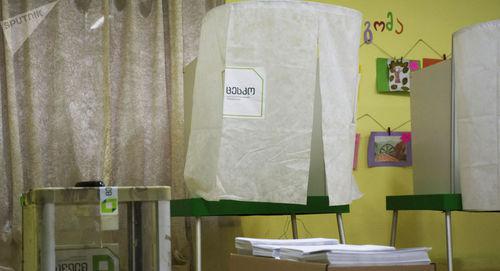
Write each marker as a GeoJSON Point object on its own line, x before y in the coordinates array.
{"type": "Point", "coordinates": [476, 64]}
{"type": "Point", "coordinates": [295, 46]}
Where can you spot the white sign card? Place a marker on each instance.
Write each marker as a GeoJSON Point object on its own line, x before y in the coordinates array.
{"type": "Point", "coordinates": [244, 92]}
{"type": "Point", "coordinates": [109, 200]}
{"type": "Point", "coordinates": [108, 208]}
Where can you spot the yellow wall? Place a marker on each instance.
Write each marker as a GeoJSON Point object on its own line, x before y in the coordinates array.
{"type": "Point", "coordinates": [476, 242]}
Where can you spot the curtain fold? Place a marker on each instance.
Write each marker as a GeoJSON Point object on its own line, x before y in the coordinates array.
{"type": "Point", "coordinates": [181, 249]}
{"type": "Point", "coordinates": [183, 24]}
{"type": "Point", "coordinates": [10, 160]}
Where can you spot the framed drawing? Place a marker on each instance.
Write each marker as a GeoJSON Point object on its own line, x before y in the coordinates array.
{"type": "Point", "coordinates": [389, 149]}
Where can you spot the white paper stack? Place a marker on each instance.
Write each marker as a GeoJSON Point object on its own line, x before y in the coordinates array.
{"type": "Point", "coordinates": [270, 247]}
{"type": "Point", "coordinates": [266, 251]}
{"type": "Point", "coordinates": [331, 252]}
{"type": "Point", "coordinates": [300, 253]}
{"type": "Point", "coordinates": [408, 256]}
{"type": "Point", "coordinates": [346, 257]}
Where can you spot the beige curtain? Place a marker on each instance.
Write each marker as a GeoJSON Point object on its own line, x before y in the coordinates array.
{"type": "Point", "coordinates": [183, 23]}
{"type": "Point", "coordinates": [95, 92]}
{"type": "Point", "coordinates": [83, 98]}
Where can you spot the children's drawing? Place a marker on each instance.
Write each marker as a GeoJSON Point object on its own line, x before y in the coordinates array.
{"type": "Point", "coordinates": [389, 149]}
{"type": "Point", "coordinates": [399, 74]}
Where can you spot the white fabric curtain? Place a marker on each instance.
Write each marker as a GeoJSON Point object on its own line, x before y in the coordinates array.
{"type": "Point", "coordinates": [476, 65]}
{"type": "Point", "coordinates": [294, 47]}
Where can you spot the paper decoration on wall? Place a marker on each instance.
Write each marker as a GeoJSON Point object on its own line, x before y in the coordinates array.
{"type": "Point", "coordinates": [356, 151]}
{"type": "Point", "coordinates": [414, 65]}
{"type": "Point", "coordinates": [426, 62]}
{"type": "Point", "coordinates": [394, 74]}
{"type": "Point", "coordinates": [399, 74]}
{"type": "Point", "coordinates": [388, 24]}
{"type": "Point", "coordinates": [382, 75]}
{"type": "Point", "coordinates": [389, 149]}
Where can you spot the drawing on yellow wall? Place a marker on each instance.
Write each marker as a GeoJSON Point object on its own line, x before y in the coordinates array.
{"type": "Point", "coordinates": [393, 75]}
{"type": "Point", "coordinates": [389, 149]}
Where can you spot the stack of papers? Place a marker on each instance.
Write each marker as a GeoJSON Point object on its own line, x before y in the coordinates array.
{"type": "Point", "coordinates": [270, 247]}
{"type": "Point", "coordinates": [329, 251]}
{"type": "Point", "coordinates": [300, 253]}
{"type": "Point", "coordinates": [408, 256]}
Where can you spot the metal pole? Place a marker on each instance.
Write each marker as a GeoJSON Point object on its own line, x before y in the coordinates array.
{"type": "Point", "coordinates": [294, 226]}
{"type": "Point", "coordinates": [198, 243]}
{"type": "Point", "coordinates": [394, 227]}
{"type": "Point", "coordinates": [138, 236]}
{"type": "Point", "coordinates": [340, 225]}
{"type": "Point", "coordinates": [449, 245]}
{"type": "Point", "coordinates": [48, 253]}
{"type": "Point", "coordinates": [164, 238]}
{"type": "Point", "coordinates": [131, 236]}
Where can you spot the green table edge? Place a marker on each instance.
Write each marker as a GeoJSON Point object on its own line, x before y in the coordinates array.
{"type": "Point", "coordinates": [431, 202]}
{"type": "Point", "coordinates": [198, 207]}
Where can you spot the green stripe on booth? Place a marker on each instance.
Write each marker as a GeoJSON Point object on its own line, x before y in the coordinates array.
{"type": "Point", "coordinates": [433, 202]}
{"type": "Point", "coordinates": [199, 207]}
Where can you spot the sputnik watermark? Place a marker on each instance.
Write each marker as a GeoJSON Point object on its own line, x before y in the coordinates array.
{"type": "Point", "coordinates": [20, 19]}
{"type": "Point", "coordinates": [18, 28]}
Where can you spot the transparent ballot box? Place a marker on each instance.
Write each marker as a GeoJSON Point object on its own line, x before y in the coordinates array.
{"type": "Point", "coordinates": [97, 229]}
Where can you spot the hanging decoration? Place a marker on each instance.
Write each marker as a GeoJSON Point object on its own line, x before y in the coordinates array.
{"type": "Point", "coordinates": [389, 149]}
{"type": "Point", "coordinates": [426, 62]}
{"type": "Point", "coordinates": [394, 74]}
{"type": "Point", "coordinates": [388, 24]}
{"type": "Point", "coordinates": [399, 74]}
{"type": "Point", "coordinates": [398, 150]}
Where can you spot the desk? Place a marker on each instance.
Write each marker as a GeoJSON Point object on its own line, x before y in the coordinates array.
{"type": "Point", "coordinates": [439, 202]}
{"type": "Point", "coordinates": [199, 208]}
